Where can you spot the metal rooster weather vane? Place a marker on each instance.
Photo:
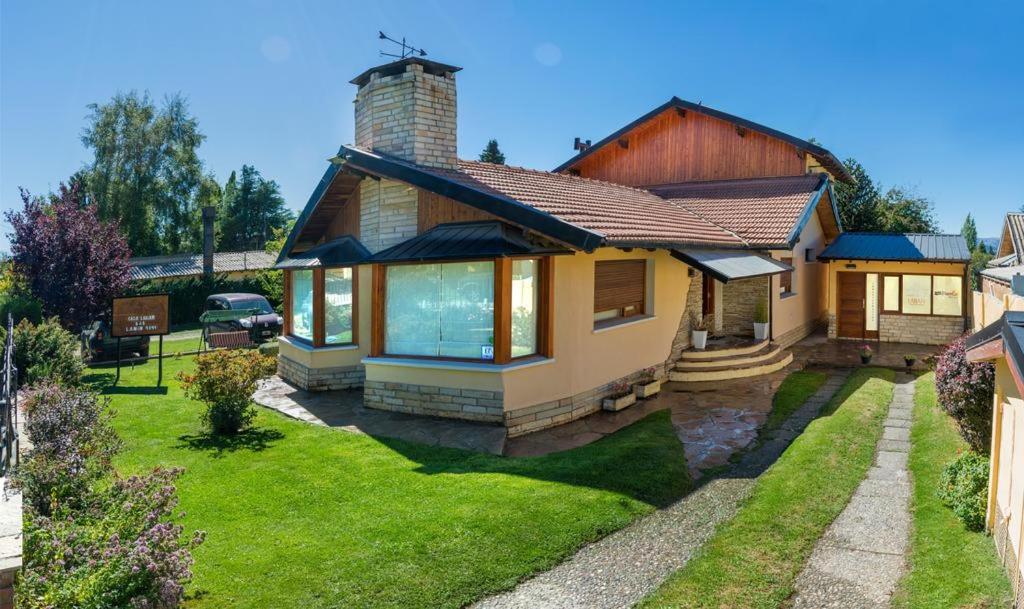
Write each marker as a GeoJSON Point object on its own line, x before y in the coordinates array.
{"type": "Point", "coordinates": [407, 49]}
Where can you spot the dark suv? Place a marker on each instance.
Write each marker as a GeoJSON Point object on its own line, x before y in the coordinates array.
{"type": "Point", "coordinates": [263, 326]}
{"type": "Point", "coordinates": [100, 345]}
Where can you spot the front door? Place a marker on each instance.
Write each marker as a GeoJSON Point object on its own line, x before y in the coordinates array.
{"type": "Point", "coordinates": [707, 295]}
{"type": "Point", "coordinates": [852, 305]}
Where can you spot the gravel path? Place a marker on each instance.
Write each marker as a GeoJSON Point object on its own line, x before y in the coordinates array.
{"type": "Point", "coordinates": [861, 557]}
{"type": "Point", "coordinates": [624, 567]}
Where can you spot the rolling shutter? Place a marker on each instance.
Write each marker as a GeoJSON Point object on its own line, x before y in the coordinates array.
{"type": "Point", "coordinates": [620, 285]}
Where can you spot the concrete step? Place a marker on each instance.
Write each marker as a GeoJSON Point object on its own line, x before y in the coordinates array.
{"type": "Point", "coordinates": [743, 348]}
{"type": "Point", "coordinates": [723, 373]}
{"type": "Point", "coordinates": [717, 361]}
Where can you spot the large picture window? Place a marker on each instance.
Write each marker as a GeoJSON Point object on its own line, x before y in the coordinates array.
{"type": "Point", "coordinates": [302, 305]}
{"type": "Point", "coordinates": [321, 306]}
{"type": "Point", "coordinates": [917, 294]}
{"type": "Point", "coordinates": [338, 306]}
{"type": "Point", "coordinates": [525, 305]}
{"type": "Point", "coordinates": [923, 294]}
{"type": "Point", "coordinates": [947, 295]}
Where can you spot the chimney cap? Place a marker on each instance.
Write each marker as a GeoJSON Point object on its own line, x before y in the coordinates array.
{"type": "Point", "coordinates": [397, 67]}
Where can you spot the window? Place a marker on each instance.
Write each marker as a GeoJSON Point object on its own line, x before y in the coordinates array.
{"type": "Point", "coordinates": [810, 255]}
{"type": "Point", "coordinates": [786, 279]}
{"type": "Point", "coordinates": [923, 294]}
{"type": "Point", "coordinates": [302, 305]}
{"type": "Point", "coordinates": [525, 305]}
{"type": "Point", "coordinates": [917, 294]}
{"type": "Point", "coordinates": [338, 317]}
{"type": "Point", "coordinates": [891, 293]}
{"type": "Point", "coordinates": [440, 310]}
{"type": "Point", "coordinates": [620, 289]}
{"type": "Point", "coordinates": [947, 298]}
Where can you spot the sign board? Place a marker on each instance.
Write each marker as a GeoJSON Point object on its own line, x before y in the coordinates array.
{"type": "Point", "coordinates": [140, 316]}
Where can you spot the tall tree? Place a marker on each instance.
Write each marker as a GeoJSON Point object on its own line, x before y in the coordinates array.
{"type": "Point", "coordinates": [858, 203]}
{"type": "Point", "coordinates": [492, 154]}
{"type": "Point", "coordinates": [253, 209]}
{"type": "Point", "coordinates": [903, 211]}
{"type": "Point", "coordinates": [72, 261]}
{"type": "Point", "coordinates": [146, 172]}
{"type": "Point", "coordinates": [970, 233]}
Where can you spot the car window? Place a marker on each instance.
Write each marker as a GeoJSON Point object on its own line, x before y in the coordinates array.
{"type": "Point", "coordinates": [215, 305]}
{"type": "Point", "coordinates": [260, 304]}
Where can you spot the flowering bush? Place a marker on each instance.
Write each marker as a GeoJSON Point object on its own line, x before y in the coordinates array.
{"type": "Point", "coordinates": [122, 550]}
{"type": "Point", "coordinates": [225, 381]}
{"type": "Point", "coordinates": [964, 488]}
{"type": "Point", "coordinates": [45, 352]}
{"type": "Point", "coordinates": [72, 444]}
{"type": "Point", "coordinates": [965, 392]}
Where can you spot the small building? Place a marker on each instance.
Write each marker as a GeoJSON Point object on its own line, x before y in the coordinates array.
{"type": "Point", "coordinates": [234, 265]}
{"type": "Point", "coordinates": [1002, 343]}
{"type": "Point", "coordinates": [907, 288]}
{"type": "Point", "coordinates": [997, 279]}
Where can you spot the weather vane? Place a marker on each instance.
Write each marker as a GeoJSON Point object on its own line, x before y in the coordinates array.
{"type": "Point", "coordinates": [407, 49]}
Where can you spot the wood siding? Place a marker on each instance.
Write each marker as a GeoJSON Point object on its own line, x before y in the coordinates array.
{"type": "Point", "coordinates": [333, 213]}
{"type": "Point", "coordinates": [346, 222]}
{"type": "Point", "coordinates": [434, 209]}
{"type": "Point", "coordinates": [620, 284]}
{"type": "Point", "coordinates": [673, 148]}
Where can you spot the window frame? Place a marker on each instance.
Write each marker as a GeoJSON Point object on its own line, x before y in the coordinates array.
{"type": "Point", "coordinates": [931, 295]}
{"type": "Point", "coordinates": [790, 275]}
{"type": "Point", "coordinates": [502, 329]}
{"type": "Point", "coordinates": [810, 255]}
{"type": "Point", "coordinates": [320, 307]}
{"type": "Point", "coordinates": [621, 316]}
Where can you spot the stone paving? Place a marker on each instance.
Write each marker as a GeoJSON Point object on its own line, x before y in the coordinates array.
{"type": "Point", "coordinates": [624, 567]}
{"type": "Point", "coordinates": [859, 560]}
{"type": "Point", "coordinates": [819, 350]}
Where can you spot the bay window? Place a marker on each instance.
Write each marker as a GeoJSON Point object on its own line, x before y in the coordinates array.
{"type": "Point", "coordinates": [320, 305]}
{"type": "Point", "coordinates": [923, 294]}
{"type": "Point", "coordinates": [301, 310]}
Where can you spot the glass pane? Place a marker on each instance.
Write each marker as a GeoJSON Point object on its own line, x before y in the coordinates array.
{"type": "Point", "coordinates": [412, 309]}
{"type": "Point", "coordinates": [891, 294]}
{"type": "Point", "coordinates": [524, 307]}
{"type": "Point", "coordinates": [467, 310]}
{"type": "Point", "coordinates": [338, 306]}
{"type": "Point", "coordinates": [302, 304]}
{"type": "Point", "coordinates": [871, 303]}
{"type": "Point", "coordinates": [917, 294]}
{"type": "Point", "coordinates": [946, 295]}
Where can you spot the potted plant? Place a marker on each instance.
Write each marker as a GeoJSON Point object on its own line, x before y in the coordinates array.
{"type": "Point", "coordinates": [866, 354]}
{"type": "Point", "coordinates": [909, 360]}
{"type": "Point", "coordinates": [621, 397]}
{"type": "Point", "coordinates": [698, 331]}
{"type": "Point", "coordinates": [647, 385]}
{"type": "Point", "coordinates": [761, 320]}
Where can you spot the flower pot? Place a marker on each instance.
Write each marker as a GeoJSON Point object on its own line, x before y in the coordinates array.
{"type": "Point", "coordinates": [615, 404]}
{"type": "Point", "coordinates": [699, 338]}
{"type": "Point", "coordinates": [760, 331]}
{"type": "Point", "coordinates": [645, 390]}
{"type": "Point", "coordinates": [865, 359]}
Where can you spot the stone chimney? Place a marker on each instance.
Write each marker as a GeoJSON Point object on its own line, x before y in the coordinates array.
{"type": "Point", "coordinates": [407, 109]}
{"type": "Point", "coordinates": [209, 215]}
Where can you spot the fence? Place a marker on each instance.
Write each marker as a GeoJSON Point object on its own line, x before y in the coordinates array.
{"type": "Point", "coordinates": [989, 308]}
{"type": "Point", "coordinates": [8, 403]}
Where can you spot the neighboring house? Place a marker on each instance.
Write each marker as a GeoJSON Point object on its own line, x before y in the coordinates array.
{"type": "Point", "coordinates": [465, 289]}
{"type": "Point", "coordinates": [1002, 343]}
{"type": "Point", "coordinates": [235, 265]}
{"type": "Point", "coordinates": [996, 280]}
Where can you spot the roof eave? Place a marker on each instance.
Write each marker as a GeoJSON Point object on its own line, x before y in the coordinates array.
{"type": "Point", "coordinates": [809, 209]}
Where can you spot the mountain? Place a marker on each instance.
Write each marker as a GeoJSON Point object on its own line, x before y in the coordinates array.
{"type": "Point", "coordinates": [990, 242]}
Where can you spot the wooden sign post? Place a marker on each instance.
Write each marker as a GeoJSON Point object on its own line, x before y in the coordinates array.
{"type": "Point", "coordinates": [141, 316]}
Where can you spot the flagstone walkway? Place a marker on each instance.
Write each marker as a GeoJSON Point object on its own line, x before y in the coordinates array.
{"type": "Point", "coordinates": [861, 557]}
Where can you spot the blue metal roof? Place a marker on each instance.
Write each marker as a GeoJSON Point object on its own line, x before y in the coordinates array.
{"type": "Point", "coordinates": [726, 265]}
{"type": "Point", "coordinates": [343, 251]}
{"type": "Point", "coordinates": [901, 247]}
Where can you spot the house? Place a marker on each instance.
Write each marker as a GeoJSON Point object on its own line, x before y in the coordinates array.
{"type": "Point", "coordinates": [522, 297]}
{"type": "Point", "coordinates": [1002, 343]}
{"type": "Point", "coordinates": [997, 278]}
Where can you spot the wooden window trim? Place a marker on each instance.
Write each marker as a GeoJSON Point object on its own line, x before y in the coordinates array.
{"type": "Point", "coordinates": [320, 308]}
{"type": "Point", "coordinates": [931, 295]}
{"type": "Point", "coordinates": [640, 307]}
{"type": "Point", "coordinates": [790, 275]}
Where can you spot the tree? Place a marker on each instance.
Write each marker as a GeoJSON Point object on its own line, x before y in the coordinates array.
{"type": "Point", "coordinates": [73, 262]}
{"type": "Point", "coordinates": [858, 203]}
{"type": "Point", "coordinates": [903, 211]}
{"type": "Point", "coordinates": [146, 172]}
{"type": "Point", "coordinates": [970, 233]}
{"type": "Point", "coordinates": [252, 209]}
{"type": "Point", "coordinates": [492, 154]}
{"type": "Point", "coordinates": [980, 258]}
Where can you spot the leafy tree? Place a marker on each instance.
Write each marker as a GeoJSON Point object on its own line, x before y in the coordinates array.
{"type": "Point", "coordinates": [980, 258]}
{"type": "Point", "coordinates": [146, 172]}
{"type": "Point", "coordinates": [970, 233]}
{"type": "Point", "coordinates": [71, 261]}
{"type": "Point", "coordinates": [858, 203]}
{"type": "Point", "coordinates": [492, 154]}
{"type": "Point", "coordinates": [903, 211]}
{"type": "Point", "coordinates": [252, 209]}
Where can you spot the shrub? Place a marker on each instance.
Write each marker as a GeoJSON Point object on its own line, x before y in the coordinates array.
{"type": "Point", "coordinates": [963, 487]}
{"type": "Point", "coordinates": [965, 391]}
{"type": "Point", "coordinates": [45, 352]}
{"type": "Point", "coordinates": [20, 306]}
{"type": "Point", "coordinates": [187, 296]}
{"type": "Point", "coordinates": [123, 550]}
{"type": "Point", "coordinates": [72, 445]}
{"type": "Point", "coordinates": [225, 381]}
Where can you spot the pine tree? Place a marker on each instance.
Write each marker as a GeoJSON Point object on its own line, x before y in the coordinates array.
{"type": "Point", "coordinates": [492, 154]}
{"type": "Point", "coordinates": [970, 233]}
{"type": "Point", "coordinates": [252, 208]}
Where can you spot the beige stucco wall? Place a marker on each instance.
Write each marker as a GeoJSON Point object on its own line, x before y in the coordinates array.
{"type": "Point", "coordinates": [1009, 481]}
{"type": "Point", "coordinates": [921, 268]}
{"type": "Point", "coordinates": [797, 312]}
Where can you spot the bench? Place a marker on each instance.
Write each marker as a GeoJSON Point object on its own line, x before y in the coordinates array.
{"type": "Point", "coordinates": [229, 340]}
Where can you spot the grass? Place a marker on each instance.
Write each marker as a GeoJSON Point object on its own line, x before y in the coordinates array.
{"type": "Point", "coordinates": [792, 393]}
{"type": "Point", "coordinates": [303, 516]}
{"type": "Point", "coordinates": [949, 566]}
{"type": "Point", "coordinates": [752, 560]}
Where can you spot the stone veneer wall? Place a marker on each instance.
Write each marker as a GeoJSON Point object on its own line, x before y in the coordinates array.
{"type": "Point", "coordinates": [798, 333]}
{"type": "Point", "coordinates": [694, 297]}
{"type": "Point", "coordinates": [739, 299]}
{"type": "Point", "coordinates": [1004, 549]}
{"type": "Point", "coordinates": [449, 402]}
{"type": "Point", "coordinates": [320, 379]}
{"type": "Point", "coordinates": [919, 329]}
{"type": "Point", "coordinates": [387, 213]}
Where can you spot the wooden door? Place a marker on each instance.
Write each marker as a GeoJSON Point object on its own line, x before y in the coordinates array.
{"type": "Point", "coordinates": [852, 294]}
{"type": "Point", "coordinates": [707, 295]}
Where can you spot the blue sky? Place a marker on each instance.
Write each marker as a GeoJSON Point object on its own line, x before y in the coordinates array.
{"type": "Point", "coordinates": [927, 95]}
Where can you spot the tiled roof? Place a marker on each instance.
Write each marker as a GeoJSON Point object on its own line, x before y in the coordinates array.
{"type": "Point", "coordinates": [906, 247]}
{"type": "Point", "coordinates": [624, 215]}
{"type": "Point", "coordinates": [762, 211]}
{"type": "Point", "coordinates": [184, 265]}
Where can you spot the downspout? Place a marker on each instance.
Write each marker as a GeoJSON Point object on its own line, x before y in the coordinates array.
{"type": "Point", "coordinates": [771, 309]}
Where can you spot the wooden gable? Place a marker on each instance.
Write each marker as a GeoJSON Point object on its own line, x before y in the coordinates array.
{"type": "Point", "coordinates": [336, 214]}
{"type": "Point", "coordinates": [827, 216]}
{"type": "Point", "coordinates": [434, 209]}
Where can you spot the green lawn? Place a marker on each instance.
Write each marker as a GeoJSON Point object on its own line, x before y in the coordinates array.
{"type": "Point", "coordinates": [792, 394]}
{"type": "Point", "coordinates": [949, 566]}
{"type": "Point", "coordinates": [302, 516]}
{"type": "Point", "coordinates": [753, 560]}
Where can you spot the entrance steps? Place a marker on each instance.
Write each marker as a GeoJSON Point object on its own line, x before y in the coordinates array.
{"type": "Point", "coordinates": [732, 360]}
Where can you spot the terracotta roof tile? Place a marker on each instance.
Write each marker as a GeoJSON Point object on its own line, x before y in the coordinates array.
{"type": "Point", "coordinates": [762, 211]}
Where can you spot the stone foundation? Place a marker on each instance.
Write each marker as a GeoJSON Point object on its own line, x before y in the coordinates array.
{"type": "Point", "coordinates": [320, 379]}
{"type": "Point", "coordinates": [919, 329]}
{"type": "Point", "coordinates": [1004, 549]}
{"type": "Point", "coordinates": [798, 333]}
{"type": "Point", "coordinates": [694, 303]}
{"type": "Point", "coordinates": [448, 402]}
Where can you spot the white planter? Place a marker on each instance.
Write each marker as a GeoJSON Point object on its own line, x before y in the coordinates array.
{"type": "Point", "coordinates": [760, 331]}
{"type": "Point", "coordinates": [699, 338]}
{"type": "Point", "coordinates": [616, 404]}
{"type": "Point", "coordinates": [646, 390]}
